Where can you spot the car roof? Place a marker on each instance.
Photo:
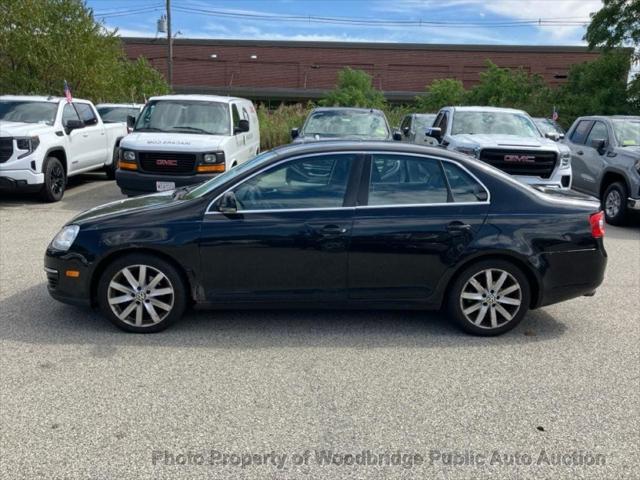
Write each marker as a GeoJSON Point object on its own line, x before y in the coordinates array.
{"type": "Point", "coordinates": [346, 109]}
{"type": "Point", "coordinates": [120, 105]}
{"type": "Point", "coordinates": [609, 117]}
{"type": "Point", "coordinates": [201, 98]}
{"type": "Point", "coordinates": [485, 109]}
{"type": "Point", "coordinates": [37, 98]}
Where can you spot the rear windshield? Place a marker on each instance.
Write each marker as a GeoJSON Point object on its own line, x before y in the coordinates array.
{"type": "Point", "coordinates": [28, 112]}
{"type": "Point", "coordinates": [186, 116]}
{"type": "Point", "coordinates": [117, 114]}
{"type": "Point", "coordinates": [341, 123]}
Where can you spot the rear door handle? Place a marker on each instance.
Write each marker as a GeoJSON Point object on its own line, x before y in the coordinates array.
{"type": "Point", "coordinates": [458, 227]}
{"type": "Point", "coordinates": [333, 230]}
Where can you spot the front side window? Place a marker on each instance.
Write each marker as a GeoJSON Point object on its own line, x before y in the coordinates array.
{"type": "Point", "coordinates": [28, 112]}
{"type": "Point", "coordinates": [493, 123]}
{"type": "Point", "coordinates": [598, 132]}
{"type": "Point", "coordinates": [400, 180]}
{"type": "Point", "coordinates": [86, 113]}
{"type": "Point", "coordinates": [579, 135]}
{"type": "Point", "coordinates": [346, 123]}
{"type": "Point", "coordinates": [69, 113]}
{"type": "Point", "coordinates": [185, 116]}
{"type": "Point", "coordinates": [307, 183]}
{"type": "Point", "coordinates": [464, 188]}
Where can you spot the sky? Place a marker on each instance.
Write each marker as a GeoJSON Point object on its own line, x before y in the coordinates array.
{"type": "Point", "coordinates": [479, 21]}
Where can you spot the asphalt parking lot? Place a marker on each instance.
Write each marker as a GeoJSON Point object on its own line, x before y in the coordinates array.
{"type": "Point", "coordinates": [247, 394]}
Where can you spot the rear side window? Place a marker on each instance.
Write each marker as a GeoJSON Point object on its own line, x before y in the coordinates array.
{"type": "Point", "coordinates": [579, 135]}
{"type": "Point", "coordinates": [464, 188]}
{"type": "Point", "coordinates": [86, 113]}
{"type": "Point", "coordinates": [400, 180]}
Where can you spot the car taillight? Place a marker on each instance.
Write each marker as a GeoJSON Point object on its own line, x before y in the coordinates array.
{"type": "Point", "coordinates": [597, 224]}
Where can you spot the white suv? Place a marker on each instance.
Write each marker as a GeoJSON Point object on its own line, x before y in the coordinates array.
{"type": "Point", "coordinates": [506, 138]}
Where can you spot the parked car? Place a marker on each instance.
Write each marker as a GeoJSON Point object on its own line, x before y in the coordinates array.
{"type": "Point", "coordinates": [549, 128]}
{"type": "Point", "coordinates": [118, 112]}
{"type": "Point", "coordinates": [606, 162]}
{"type": "Point", "coordinates": [45, 140]}
{"type": "Point", "coordinates": [507, 139]}
{"type": "Point", "coordinates": [391, 225]}
{"type": "Point", "coordinates": [333, 123]}
{"type": "Point", "coordinates": [185, 139]}
{"type": "Point", "coordinates": [413, 129]}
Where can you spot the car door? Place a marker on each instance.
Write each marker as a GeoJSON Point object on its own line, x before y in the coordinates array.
{"type": "Point", "coordinates": [79, 146]}
{"type": "Point", "coordinates": [419, 215]}
{"type": "Point", "coordinates": [288, 240]}
{"type": "Point", "coordinates": [240, 137]}
{"type": "Point", "coordinates": [594, 161]}
{"type": "Point", "coordinates": [94, 137]}
{"type": "Point", "coordinates": [442, 122]}
{"type": "Point", "coordinates": [576, 143]}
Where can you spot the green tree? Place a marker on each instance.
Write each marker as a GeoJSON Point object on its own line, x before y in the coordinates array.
{"type": "Point", "coordinates": [43, 43]}
{"type": "Point", "coordinates": [441, 93]}
{"type": "Point", "coordinates": [616, 24]}
{"type": "Point", "coordinates": [354, 89]}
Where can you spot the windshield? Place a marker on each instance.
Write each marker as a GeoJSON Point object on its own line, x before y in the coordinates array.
{"type": "Point", "coordinates": [493, 123]}
{"type": "Point", "coordinates": [547, 126]}
{"type": "Point", "coordinates": [186, 116]}
{"type": "Point", "coordinates": [341, 123]}
{"type": "Point", "coordinates": [627, 132]}
{"type": "Point", "coordinates": [28, 112]}
{"type": "Point", "coordinates": [424, 121]}
{"type": "Point", "coordinates": [215, 182]}
{"type": "Point", "coordinates": [117, 114]}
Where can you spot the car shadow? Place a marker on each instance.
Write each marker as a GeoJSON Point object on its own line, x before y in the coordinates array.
{"type": "Point", "coordinates": [31, 316]}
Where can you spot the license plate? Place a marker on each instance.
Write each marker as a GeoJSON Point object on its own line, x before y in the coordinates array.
{"type": "Point", "coordinates": [164, 186]}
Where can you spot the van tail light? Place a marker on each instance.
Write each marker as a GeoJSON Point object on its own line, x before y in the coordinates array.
{"type": "Point", "coordinates": [597, 224]}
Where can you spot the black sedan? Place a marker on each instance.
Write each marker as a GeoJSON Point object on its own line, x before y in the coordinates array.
{"type": "Point", "coordinates": [342, 224]}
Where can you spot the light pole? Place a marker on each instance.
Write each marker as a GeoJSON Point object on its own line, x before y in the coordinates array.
{"type": "Point", "coordinates": [170, 47]}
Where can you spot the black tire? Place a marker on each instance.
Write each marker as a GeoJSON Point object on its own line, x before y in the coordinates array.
{"type": "Point", "coordinates": [110, 169]}
{"type": "Point", "coordinates": [491, 303]}
{"type": "Point", "coordinates": [177, 300]}
{"type": "Point", "coordinates": [55, 180]}
{"type": "Point", "coordinates": [614, 203]}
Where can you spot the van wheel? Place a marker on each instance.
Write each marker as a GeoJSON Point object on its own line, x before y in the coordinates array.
{"type": "Point", "coordinates": [489, 297]}
{"type": "Point", "coordinates": [614, 203]}
{"type": "Point", "coordinates": [142, 293]}
{"type": "Point", "coordinates": [55, 180]}
{"type": "Point", "coordinates": [110, 169]}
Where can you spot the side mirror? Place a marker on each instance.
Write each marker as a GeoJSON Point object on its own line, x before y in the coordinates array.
{"type": "Point", "coordinates": [131, 121]}
{"type": "Point", "coordinates": [434, 132]}
{"type": "Point", "coordinates": [552, 136]}
{"type": "Point", "coordinates": [406, 131]}
{"type": "Point", "coordinates": [397, 136]}
{"type": "Point", "coordinates": [228, 204]}
{"type": "Point", "coordinates": [295, 133]}
{"type": "Point", "coordinates": [599, 144]}
{"type": "Point", "coordinates": [561, 136]}
{"type": "Point", "coordinates": [73, 125]}
{"type": "Point", "coordinates": [243, 126]}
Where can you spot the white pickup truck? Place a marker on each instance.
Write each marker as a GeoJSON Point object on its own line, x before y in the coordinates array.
{"type": "Point", "coordinates": [506, 138]}
{"type": "Point", "coordinates": [45, 140]}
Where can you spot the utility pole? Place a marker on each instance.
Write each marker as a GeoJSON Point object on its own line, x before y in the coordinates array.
{"type": "Point", "coordinates": [170, 47]}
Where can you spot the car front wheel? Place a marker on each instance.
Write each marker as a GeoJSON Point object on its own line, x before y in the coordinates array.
{"type": "Point", "coordinates": [489, 298]}
{"type": "Point", "coordinates": [614, 203]}
{"type": "Point", "coordinates": [141, 293]}
{"type": "Point", "coordinates": [55, 180]}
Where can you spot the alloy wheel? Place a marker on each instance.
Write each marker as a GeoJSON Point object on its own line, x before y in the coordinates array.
{"type": "Point", "coordinates": [140, 295]}
{"type": "Point", "coordinates": [491, 298]}
{"type": "Point", "coordinates": [57, 180]}
{"type": "Point", "coordinates": [613, 203]}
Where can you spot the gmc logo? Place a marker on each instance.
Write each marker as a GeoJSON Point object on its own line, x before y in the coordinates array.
{"type": "Point", "coordinates": [166, 163]}
{"type": "Point", "coordinates": [520, 158]}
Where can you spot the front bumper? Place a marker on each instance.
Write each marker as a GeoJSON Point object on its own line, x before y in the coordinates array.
{"type": "Point", "coordinates": [138, 183]}
{"type": "Point", "coordinates": [61, 286]}
{"type": "Point", "coordinates": [20, 180]}
{"type": "Point", "coordinates": [633, 203]}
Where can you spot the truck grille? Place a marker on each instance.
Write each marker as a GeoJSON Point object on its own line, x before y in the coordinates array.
{"type": "Point", "coordinates": [6, 149]}
{"type": "Point", "coordinates": [521, 162]}
{"type": "Point", "coordinates": [169, 163]}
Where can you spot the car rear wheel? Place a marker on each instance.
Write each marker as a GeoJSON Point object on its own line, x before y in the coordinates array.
{"type": "Point", "coordinates": [141, 293]}
{"type": "Point", "coordinates": [55, 180]}
{"type": "Point", "coordinates": [489, 298]}
{"type": "Point", "coordinates": [614, 203]}
{"type": "Point", "coordinates": [110, 169]}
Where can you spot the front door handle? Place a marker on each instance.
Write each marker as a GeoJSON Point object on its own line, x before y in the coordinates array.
{"type": "Point", "coordinates": [458, 227]}
{"type": "Point", "coordinates": [333, 230]}
{"type": "Point", "coordinates": [579, 152]}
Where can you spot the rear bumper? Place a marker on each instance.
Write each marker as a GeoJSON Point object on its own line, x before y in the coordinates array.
{"type": "Point", "coordinates": [633, 203]}
{"type": "Point", "coordinates": [138, 183]}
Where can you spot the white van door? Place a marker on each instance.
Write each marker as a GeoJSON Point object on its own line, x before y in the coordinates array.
{"type": "Point", "coordinates": [238, 154]}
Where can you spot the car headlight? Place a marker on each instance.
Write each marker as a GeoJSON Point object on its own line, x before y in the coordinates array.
{"type": "Point", "coordinates": [129, 155]}
{"type": "Point", "coordinates": [565, 159]}
{"type": "Point", "coordinates": [217, 157]}
{"type": "Point", "coordinates": [65, 238]}
{"type": "Point", "coordinates": [27, 143]}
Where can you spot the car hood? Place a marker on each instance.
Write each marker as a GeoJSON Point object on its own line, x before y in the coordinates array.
{"type": "Point", "coordinates": [143, 204]}
{"type": "Point", "coordinates": [162, 142]}
{"type": "Point", "coordinates": [19, 129]}
{"type": "Point", "coordinates": [632, 152]}
{"type": "Point", "coordinates": [502, 141]}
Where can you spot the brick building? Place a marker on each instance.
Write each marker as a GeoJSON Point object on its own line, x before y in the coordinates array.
{"type": "Point", "coordinates": [298, 71]}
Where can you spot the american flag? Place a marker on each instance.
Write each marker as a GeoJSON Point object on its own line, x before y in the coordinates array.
{"type": "Point", "coordinates": [67, 92]}
{"type": "Point", "coordinates": [554, 115]}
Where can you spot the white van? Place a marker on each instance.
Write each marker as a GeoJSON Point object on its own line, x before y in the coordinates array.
{"type": "Point", "coordinates": [180, 140]}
